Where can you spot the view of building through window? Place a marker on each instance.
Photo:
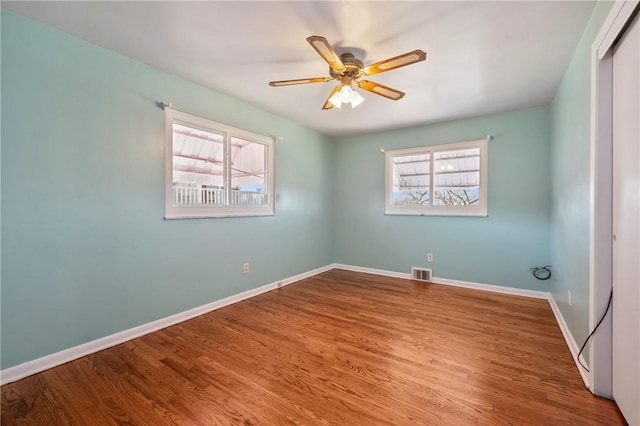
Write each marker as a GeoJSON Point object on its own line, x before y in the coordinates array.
{"type": "Point", "coordinates": [199, 169]}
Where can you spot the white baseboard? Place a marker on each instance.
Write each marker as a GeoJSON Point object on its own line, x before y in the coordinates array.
{"type": "Point", "coordinates": [513, 291]}
{"type": "Point", "coordinates": [382, 272]}
{"type": "Point", "coordinates": [28, 368]}
{"type": "Point", "coordinates": [466, 284]}
{"type": "Point", "coordinates": [571, 343]}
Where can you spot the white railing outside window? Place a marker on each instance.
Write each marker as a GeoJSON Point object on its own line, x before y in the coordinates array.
{"type": "Point", "coordinates": [252, 198]}
{"type": "Point", "coordinates": [191, 195]}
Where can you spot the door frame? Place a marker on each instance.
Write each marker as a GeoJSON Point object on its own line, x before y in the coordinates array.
{"type": "Point", "coordinates": [601, 199]}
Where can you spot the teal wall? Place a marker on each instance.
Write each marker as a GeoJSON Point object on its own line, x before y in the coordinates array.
{"type": "Point", "coordinates": [570, 159]}
{"type": "Point", "coordinates": [85, 251]}
{"type": "Point", "coordinates": [498, 249]}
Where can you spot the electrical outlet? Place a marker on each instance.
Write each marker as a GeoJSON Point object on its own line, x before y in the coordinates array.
{"type": "Point", "coordinates": [245, 268]}
{"type": "Point", "coordinates": [569, 297]}
{"type": "Point", "coordinates": [429, 257]}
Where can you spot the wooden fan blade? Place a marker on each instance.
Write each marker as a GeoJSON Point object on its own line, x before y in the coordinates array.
{"type": "Point", "coordinates": [325, 50]}
{"type": "Point", "coordinates": [299, 81]}
{"type": "Point", "coordinates": [381, 90]}
{"type": "Point", "coordinates": [327, 104]}
{"type": "Point", "coordinates": [395, 62]}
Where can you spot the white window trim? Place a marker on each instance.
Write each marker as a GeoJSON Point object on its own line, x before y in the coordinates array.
{"type": "Point", "coordinates": [173, 211]}
{"type": "Point", "coordinates": [476, 210]}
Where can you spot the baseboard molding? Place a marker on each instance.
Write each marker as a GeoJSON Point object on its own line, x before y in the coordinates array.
{"type": "Point", "coordinates": [513, 291]}
{"type": "Point", "coordinates": [571, 343]}
{"type": "Point", "coordinates": [456, 283]}
{"type": "Point", "coordinates": [373, 271]}
{"type": "Point", "coordinates": [29, 368]}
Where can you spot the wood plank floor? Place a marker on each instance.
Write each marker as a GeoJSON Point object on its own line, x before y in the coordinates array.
{"type": "Point", "coordinates": [340, 348]}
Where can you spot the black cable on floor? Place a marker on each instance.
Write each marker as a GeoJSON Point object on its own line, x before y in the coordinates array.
{"type": "Point", "coordinates": [594, 330]}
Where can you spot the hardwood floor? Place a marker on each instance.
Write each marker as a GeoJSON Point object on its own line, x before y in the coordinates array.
{"type": "Point", "coordinates": [339, 348]}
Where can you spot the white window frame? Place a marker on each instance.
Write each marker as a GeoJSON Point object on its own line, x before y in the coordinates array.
{"type": "Point", "coordinates": [479, 209]}
{"type": "Point", "coordinates": [176, 211]}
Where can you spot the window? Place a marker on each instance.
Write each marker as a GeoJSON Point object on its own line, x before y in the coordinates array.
{"type": "Point", "coordinates": [448, 180]}
{"type": "Point", "coordinates": [214, 170]}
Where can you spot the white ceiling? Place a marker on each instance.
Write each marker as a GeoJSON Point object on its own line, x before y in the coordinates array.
{"type": "Point", "coordinates": [482, 57]}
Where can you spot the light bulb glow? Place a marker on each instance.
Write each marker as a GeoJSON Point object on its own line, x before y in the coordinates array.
{"type": "Point", "coordinates": [357, 99]}
{"type": "Point", "coordinates": [346, 95]}
{"type": "Point", "coordinates": [335, 100]}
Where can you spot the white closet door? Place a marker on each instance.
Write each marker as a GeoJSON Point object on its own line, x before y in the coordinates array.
{"type": "Point", "coordinates": [626, 224]}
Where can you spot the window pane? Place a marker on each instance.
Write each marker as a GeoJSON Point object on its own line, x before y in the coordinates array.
{"type": "Point", "coordinates": [215, 170]}
{"type": "Point", "coordinates": [411, 180]}
{"type": "Point", "coordinates": [456, 177]}
{"type": "Point", "coordinates": [248, 172]}
{"type": "Point", "coordinates": [198, 166]}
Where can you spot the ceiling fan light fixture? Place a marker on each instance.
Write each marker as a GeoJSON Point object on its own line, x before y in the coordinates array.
{"type": "Point", "coordinates": [357, 99]}
{"type": "Point", "coordinates": [346, 95]}
{"type": "Point", "coordinates": [335, 100]}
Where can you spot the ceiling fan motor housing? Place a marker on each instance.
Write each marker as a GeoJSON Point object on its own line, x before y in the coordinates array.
{"type": "Point", "coordinates": [352, 69]}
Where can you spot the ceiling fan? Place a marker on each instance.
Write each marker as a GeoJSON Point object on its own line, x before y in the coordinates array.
{"type": "Point", "coordinates": [349, 70]}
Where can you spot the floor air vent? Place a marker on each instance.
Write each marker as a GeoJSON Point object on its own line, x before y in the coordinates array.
{"type": "Point", "coordinates": [421, 274]}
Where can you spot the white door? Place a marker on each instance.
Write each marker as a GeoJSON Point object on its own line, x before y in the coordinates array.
{"type": "Point", "coordinates": [626, 224]}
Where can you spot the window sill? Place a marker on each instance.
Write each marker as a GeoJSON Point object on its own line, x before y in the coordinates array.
{"type": "Point", "coordinates": [227, 213]}
{"type": "Point", "coordinates": [437, 212]}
